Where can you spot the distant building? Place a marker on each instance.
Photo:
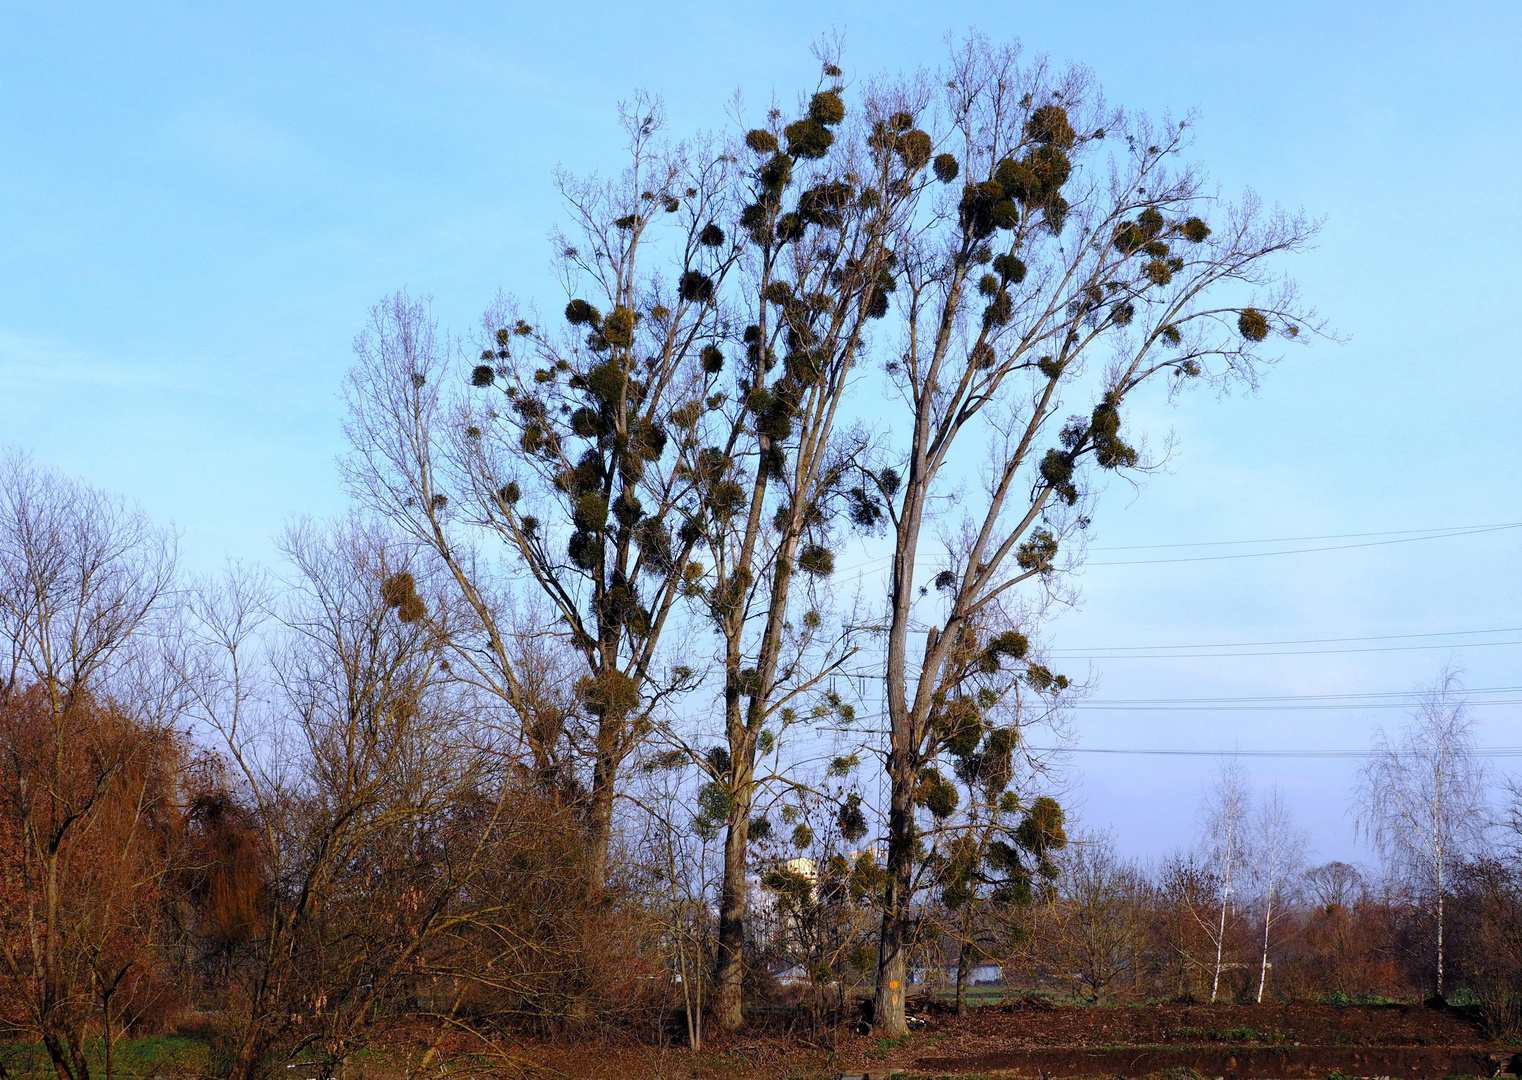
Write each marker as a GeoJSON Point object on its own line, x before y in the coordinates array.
{"type": "Point", "coordinates": [984, 974]}
{"type": "Point", "coordinates": [804, 867]}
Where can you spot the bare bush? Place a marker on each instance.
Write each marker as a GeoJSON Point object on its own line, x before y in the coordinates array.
{"type": "Point", "coordinates": [1092, 933]}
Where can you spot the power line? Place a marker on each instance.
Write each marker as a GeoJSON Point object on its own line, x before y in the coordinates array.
{"type": "Point", "coordinates": [1359, 706]}
{"type": "Point", "coordinates": [1401, 536]}
{"type": "Point", "coordinates": [1455, 530]}
{"type": "Point", "coordinates": [1303, 551]}
{"type": "Point", "coordinates": [1093, 649]}
{"type": "Point", "coordinates": [1185, 707]}
{"type": "Point", "coordinates": [1293, 697]}
{"type": "Point", "coordinates": [1126, 751]}
{"type": "Point", "coordinates": [1290, 652]}
{"type": "Point", "coordinates": [1170, 652]}
{"type": "Point", "coordinates": [1479, 751]}
{"type": "Point", "coordinates": [1402, 699]}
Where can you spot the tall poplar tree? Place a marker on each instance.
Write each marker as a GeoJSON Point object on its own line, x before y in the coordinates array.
{"type": "Point", "coordinates": [1062, 257]}
{"type": "Point", "coordinates": [815, 214]}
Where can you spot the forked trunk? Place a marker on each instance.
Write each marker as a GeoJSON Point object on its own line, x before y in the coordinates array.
{"type": "Point", "coordinates": [64, 1046]}
{"type": "Point", "coordinates": [248, 1054]}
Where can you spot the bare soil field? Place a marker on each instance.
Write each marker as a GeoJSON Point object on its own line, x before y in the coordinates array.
{"type": "Point", "coordinates": [1029, 1039]}
{"type": "Point", "coordinates": [1037, 1040]}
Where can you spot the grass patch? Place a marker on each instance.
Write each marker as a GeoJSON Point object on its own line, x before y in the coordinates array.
{"type": "Point", "coordinates": [1339, 998]}
{"type": "Point", "coordinates": [880, 1047]}
{"type": "Point", "coordinates": [133, 1058]}
{"type": "Point", "coordinates": [1240, 1034]}
{"type": "Point", "coordinates": [974, 995]}
{"type": "Point", "coordinates": [1247, 1034]}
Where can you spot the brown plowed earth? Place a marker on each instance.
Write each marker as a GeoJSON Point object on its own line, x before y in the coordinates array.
{"type": "Point", "coordinates": [1429, 1063]}
{"type": "Point", "coordinates": [1240, 1041]}
{"type": "Point", "coordinates": [1033, 1024]}
{"type": "Point", "coordinates": [1033, 1039]}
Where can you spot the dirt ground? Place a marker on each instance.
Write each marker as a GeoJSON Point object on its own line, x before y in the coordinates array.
{"type": "Point", "coordinates": [1031, 1039]}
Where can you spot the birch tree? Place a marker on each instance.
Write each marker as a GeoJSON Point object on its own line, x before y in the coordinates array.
{"type": "Point", "coordinates": [1226, 820]}
{"type": "Point", "coordinates": [1278, 853]}
{"type": "Point", "coordinates": [1420, 797]}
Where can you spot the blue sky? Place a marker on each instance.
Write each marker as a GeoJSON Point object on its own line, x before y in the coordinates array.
{"type": "Point", "coordinates": [199, 202]}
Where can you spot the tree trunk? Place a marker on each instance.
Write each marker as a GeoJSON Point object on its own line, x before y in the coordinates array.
{"type": "Point", "coordinates": [255, 1041]}
{"type": "Point", "coordinates": [893, 947]}
{"type": "Point", "coordinates": [904, 746]}
{"type": "Point", "coordinates": [600, 819]}
{"type": "Point", "coordinates": [730, 974]}
{"type": "Point", "coordinates": [57, 1056]}
{"type": "Point", "coordinates": [1268, 915]}
{"type": "Point", "coordinates": [248, 1054]}
{"type": "Point", "coordinates": [251, 1049]}
{"type": "Point", "coordinates": [1440, 930]}
{"type": "Point", "coordinates": [742, 736]}
{"type": "Point", "coordinates": [63, 1045]}
{"type": "Point", "coordinates": [76, 1043]}
{"type": "Point", "coordinates": [964, 956]}
{"type": "Point", "coordinates": [692, 1012]}
{"type": "Point", "coordinates": [1220, 943]}
{"type": "Point", "coordinates": [105, 1008]}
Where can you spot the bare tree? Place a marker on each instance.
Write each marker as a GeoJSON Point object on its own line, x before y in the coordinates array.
{"type": "Point", "coordinates": [678, 860]}
{"type": "Point", "coordinates": [1278, 847]}
{"type": "Point", "coordinates": [89, 787]}
{"type": "Point", "coordinates": [1095, 920]}
{"type": "Point", "coordinates": [1335, 884]}
{"type": "Point", "coordinates": [371, 800]}
{"type": "Point", "coordinates": [1420, 796]}
{"type": "Point", "coordinates": [80, 574]}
